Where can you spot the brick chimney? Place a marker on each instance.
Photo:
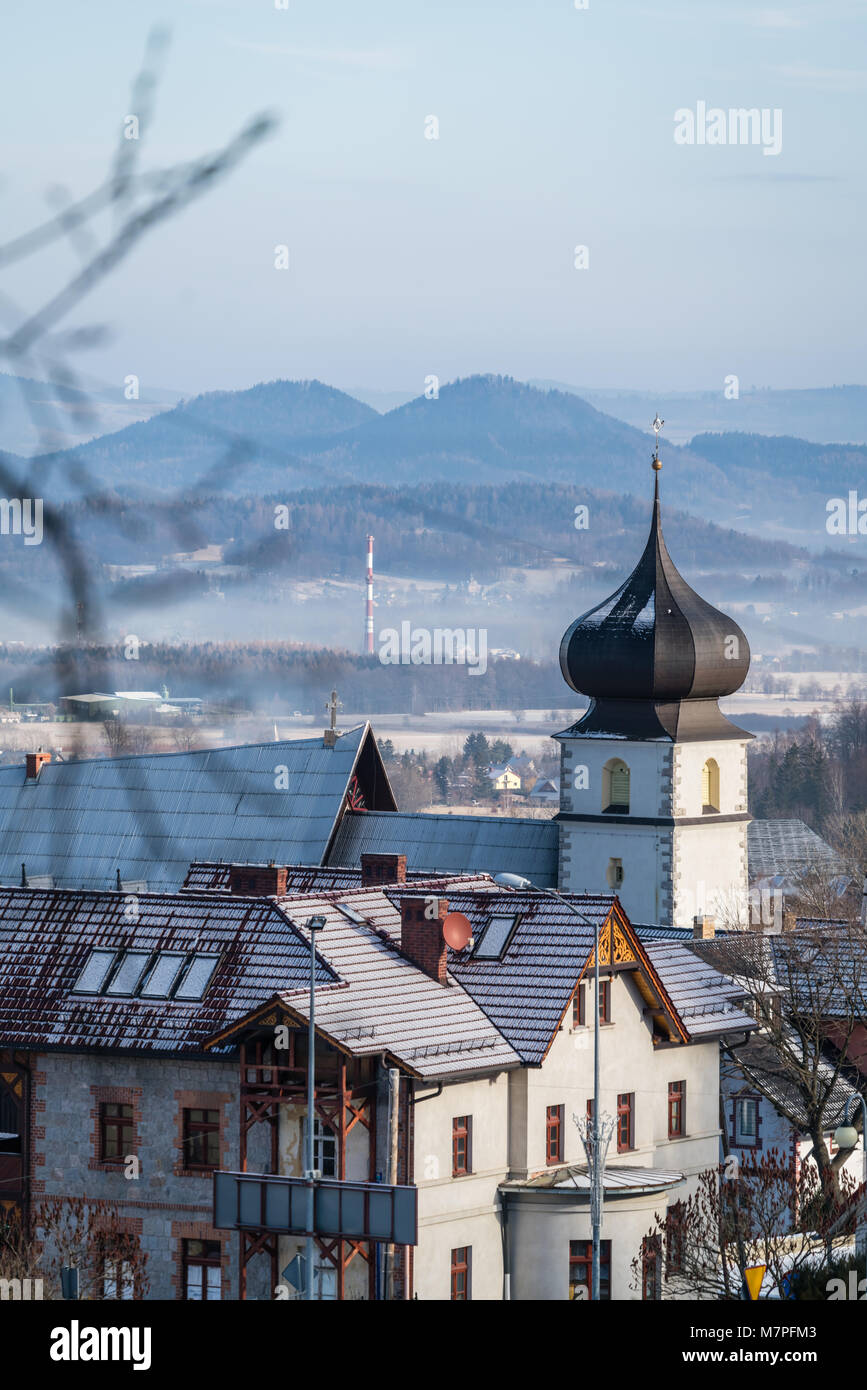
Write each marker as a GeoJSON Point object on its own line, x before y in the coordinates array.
{"type": "Point", "coordinates": [704, 928]}
{"type": "Point", "coordinates": [257, 880]}
{"type": "Point", "coordinates": [421, 937]}
{"type": "Point", "coordinates": [34, 764]}
{"type": "Point", "coordinates": [382, 868]}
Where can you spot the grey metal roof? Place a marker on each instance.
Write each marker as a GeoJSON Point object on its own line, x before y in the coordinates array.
{"type": "Point", "coordinates": [614, 1180]}
{"type": "Point", "coordinates": [149, 817]}
{"type": "Point", "coordinates": [452, 844]}
{"type": "Point", "coordinates": [706, 1001]}
{"type": "Point", "coordinates": [787, 848]}
{"type": "Point", "coordinates": [46, 938]}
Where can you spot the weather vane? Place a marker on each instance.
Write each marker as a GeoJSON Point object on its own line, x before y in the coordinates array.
{"type": "Point", "coordinates": [656, 427]}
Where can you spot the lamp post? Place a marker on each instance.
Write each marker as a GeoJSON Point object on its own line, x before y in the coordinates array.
{"type": "Point", "coordinates": [846, 1137]}
{"type": "Point", "coordinates": [314, 924]}
{"type": "Point", "coordinates": [597, 1175]}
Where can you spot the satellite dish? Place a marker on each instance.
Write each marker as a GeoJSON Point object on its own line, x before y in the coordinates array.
{"type": "Point", "coordinates": [457, 930]}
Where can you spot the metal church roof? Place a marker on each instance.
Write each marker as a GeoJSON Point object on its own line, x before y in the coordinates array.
{"type": "Point", "coordinates": [148, 817]}
{"type": "Point", "coordinates": [787, 848]}
{"type": "Point", "coordinates": [452, 844]}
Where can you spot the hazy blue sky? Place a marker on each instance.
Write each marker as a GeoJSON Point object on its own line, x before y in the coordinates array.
{"type": "Point", "coordinates": [412, 256]}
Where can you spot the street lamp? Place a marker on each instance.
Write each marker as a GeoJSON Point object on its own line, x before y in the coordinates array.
{"type": "Point", "coordinates": [846, 1137]}
{"type": "Point", "coordinates": [516, 881]}
{"type": "Point", "coordinates": [314, 924]}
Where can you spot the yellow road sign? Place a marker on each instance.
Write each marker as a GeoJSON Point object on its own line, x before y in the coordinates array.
{"type": "Point", "coordinates": [753, 1277]}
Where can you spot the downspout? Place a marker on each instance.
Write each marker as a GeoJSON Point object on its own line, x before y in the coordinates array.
{"type": "Point", "coordinates": [507, 1254]}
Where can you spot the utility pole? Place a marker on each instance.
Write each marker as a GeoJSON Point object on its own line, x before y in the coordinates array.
{"type": "Point", "coordinates": [391, 1167]}
{"type": "Point", "coordinates": [314, 924]}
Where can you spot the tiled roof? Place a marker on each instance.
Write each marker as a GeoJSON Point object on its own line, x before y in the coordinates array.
{"type": "Point", "coordinates": [300, 878]}
{"type": "Point", "coordinates": [787, 848]}
{"type": "Point", "coordinates": [453, 844]}
{"type": "Point", "coordinates": [149, 817]}
{"type": "Point", "coordinates": [764, 1061]}
{"type": "Point", "coordinates": [527, 991]}
{"type": "Point", "coordinates": [390, 1005]}
{"type": "Point", "coordinates": [706, 1001]}
{"type": "Point", "coordinates": [46, 938]}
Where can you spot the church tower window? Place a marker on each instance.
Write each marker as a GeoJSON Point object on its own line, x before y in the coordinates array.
{"type": "Point", "coordinates": [615, 787]}
{"type": "Point", "coordinates": [710, 787]}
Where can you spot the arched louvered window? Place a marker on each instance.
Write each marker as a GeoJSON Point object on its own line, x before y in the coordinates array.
{"type": "Point", "coordinates": [710, 787]}
{"type": "Point", "coordinates": [615, 787]}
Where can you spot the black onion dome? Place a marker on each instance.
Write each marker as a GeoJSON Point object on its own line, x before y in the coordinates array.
{"type": "Point", "coordinates": [654, 638]}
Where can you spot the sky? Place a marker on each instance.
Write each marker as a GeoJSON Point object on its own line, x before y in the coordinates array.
{"type": "Point", "coordinates": [409, 256]}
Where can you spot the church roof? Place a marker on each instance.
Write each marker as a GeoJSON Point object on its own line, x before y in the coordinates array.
{"type": "Point", "coordinates": [149, 817]}
{"type": "Point", "coordinates": [452, 844]}
{"type": "Point", "coordinates": [655, 638]}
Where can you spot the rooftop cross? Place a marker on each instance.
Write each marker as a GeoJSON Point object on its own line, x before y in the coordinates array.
{"type": "Point", "coordinates": [333, 705]}
{"type": "Point", "coordinates": [656, 427]}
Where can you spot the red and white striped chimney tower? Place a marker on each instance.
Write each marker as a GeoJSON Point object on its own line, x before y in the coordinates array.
{"type": "Point", "coordinates": [368, 627]}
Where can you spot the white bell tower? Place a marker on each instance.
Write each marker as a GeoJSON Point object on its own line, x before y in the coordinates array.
{"type": "Point", "coordinates": [653, 786]}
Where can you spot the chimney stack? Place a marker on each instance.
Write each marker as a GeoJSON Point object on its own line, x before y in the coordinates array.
{"type": "Point", "coordinates": [421, 935]}
{"type": "Point", "coordinates": [704, 928]}
{"type": "Point", "coordinates": [382, 868]}
{"type": "Point", "coordinates": [35, 763]}
{"type": "Point", "coordinates": [257, 880]}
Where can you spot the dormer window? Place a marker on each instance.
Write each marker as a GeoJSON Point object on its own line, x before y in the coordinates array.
{"type": "Point", "coordinates": [615, 788]}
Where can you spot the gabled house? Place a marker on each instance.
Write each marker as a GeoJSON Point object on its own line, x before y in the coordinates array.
{"type": "Point", "coordinates": [152, 1039]}
{"type": "Point", "coordinates": [504, 778]}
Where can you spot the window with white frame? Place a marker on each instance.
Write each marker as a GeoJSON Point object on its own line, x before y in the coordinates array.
{"type": "Point", "coordinates": [324, 1148]}
{"type": "Point", "coordinates": [746, 1121]}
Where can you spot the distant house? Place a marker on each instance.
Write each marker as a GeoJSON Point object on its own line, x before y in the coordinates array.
{"type": "Point", "coordinates": [525, 768]}
{"type": "Point", "coordinates": [546, 791]}
{"type": "Point", "coordinates": [504, 778]}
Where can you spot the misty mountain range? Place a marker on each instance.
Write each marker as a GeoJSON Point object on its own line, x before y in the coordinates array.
{"type": "Point", "coordinates": [279, 437]}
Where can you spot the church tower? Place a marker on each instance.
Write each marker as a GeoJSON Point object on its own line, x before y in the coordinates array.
{"type": "Point", "coordinates": [653, 786]}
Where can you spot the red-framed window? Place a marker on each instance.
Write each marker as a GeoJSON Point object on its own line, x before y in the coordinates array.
{"type": "Point", "coordinates": [581, 1268]}
{"type": "Point", "coordinates": [202, 1270]}
{"type": "Point", "coordinates": [676, 1109]}
{"type": "Point", "coordinates": [604, 1001]}
{"type": "Point", "coordinates": [461, 1271]}
{"type": "Point", "coordinates": [201, 1138]}
{"type": "Point", "coordinates": [116, 1132]}
{"type": "Point", "coordinates": [651, 1269]}
{"type": "Point", "coordinates": [462, 1148]}
{"type": "Point", "coordinates": [578, 1009]}
{"type": "Point", "coordinates": [554, 1134]}
{"type": "Point", "coordinates": [625, 1122]}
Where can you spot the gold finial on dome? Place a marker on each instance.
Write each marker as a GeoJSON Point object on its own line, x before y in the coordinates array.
{"type": "Point", "coordinates": [656, 427]}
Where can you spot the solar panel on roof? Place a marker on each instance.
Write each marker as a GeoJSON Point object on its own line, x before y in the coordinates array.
{"type": "Point", "coordinates": [197, 978]}
{"type": "Point", "coordinates": [160, 979]}
{"type": "Point", "coordinates": [96, 968]}
{"type": "Point", "coordinates": [129, 973]}
{"type": "Point", "coordinates": [495, 938]}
